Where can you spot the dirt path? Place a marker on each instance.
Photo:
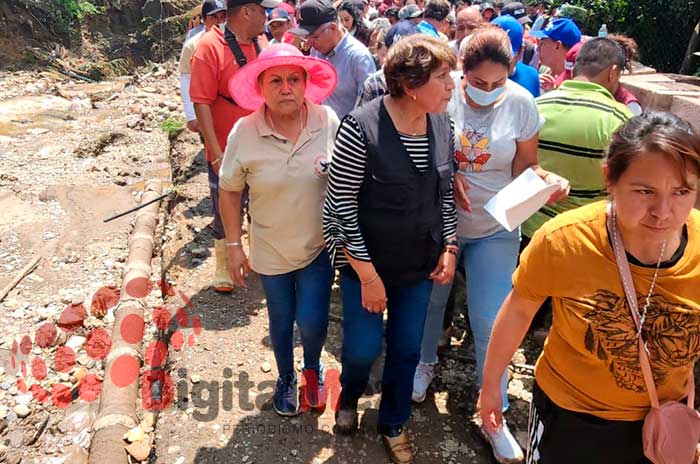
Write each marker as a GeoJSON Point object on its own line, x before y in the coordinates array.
{"type": "Point", "coordinates": [225, 381]}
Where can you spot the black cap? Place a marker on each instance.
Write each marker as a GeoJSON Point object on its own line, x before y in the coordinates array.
{"type": "Point", "coordinates": [393, 11]}
{"type": "Point", "coordinates": [313, 14]}
{"type": "Point", "coordinates": [262, 3]}
{"type": "Point", "coordinates": [516, 10]}
{"type": "Point", "coordinates": [399, 30]}
{"type": "Point", "coordinates": [210, 7]}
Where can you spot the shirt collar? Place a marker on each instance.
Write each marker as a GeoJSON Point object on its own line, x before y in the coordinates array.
{"type": "Point", "coordinates": [573, 84]}
{"type": "Point", "coordinates": [314, 121]}
{"type": "Point", "coordinates": [339, 46]}
{"type": "Point", "coordinates": [426, 25]}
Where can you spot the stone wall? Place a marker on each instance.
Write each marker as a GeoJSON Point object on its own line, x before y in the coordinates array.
{"type": "Point", "coordinates": [667, 92]}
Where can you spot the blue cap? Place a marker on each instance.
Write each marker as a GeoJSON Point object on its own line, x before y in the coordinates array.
{"type": "Point", "coordinates": [397, 31]}
{"type": "Point", "coordinates": [561, 30]}
{"type": "Point", "coordinates": [514, 29]}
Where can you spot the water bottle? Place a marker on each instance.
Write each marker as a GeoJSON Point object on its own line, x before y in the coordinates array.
{"type": "Point", "coordinates": [603, 31]}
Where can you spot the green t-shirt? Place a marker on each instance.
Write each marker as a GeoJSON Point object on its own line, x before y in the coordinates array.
{"type": "Point", "coordinates": [580, 118]}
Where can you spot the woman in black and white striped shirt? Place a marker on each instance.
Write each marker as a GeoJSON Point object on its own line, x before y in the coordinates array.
{"type": "Point", "coordinates": [389, 223]}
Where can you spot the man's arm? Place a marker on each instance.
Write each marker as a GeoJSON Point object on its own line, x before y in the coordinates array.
{"type": "Point", "coordinates": [206, 127]}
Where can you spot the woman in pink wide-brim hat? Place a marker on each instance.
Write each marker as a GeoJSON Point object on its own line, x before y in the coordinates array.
{"type": "Point", "coordinates": [321, 76]}
{"type": "Point", "coordinates": [282, 152]}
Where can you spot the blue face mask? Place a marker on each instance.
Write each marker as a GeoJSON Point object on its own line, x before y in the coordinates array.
{"type": "Point", "coordinates": [482, 97]}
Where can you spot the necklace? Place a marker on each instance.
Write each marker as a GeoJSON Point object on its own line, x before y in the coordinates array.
{"type": "Point", "coordinates": [647, 303]}
{"type": "Point", "coordinates": [268, 118]}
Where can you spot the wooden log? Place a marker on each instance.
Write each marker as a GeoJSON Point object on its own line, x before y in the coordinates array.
{"type": "Point", "coordinates": [26, 270]}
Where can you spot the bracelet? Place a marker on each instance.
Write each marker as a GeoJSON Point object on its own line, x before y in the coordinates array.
{"type": "Point", "coordinates": [452, 242]}
{"type": "Point", "coordinates": [369, 281]}
{"type": "Point", "coordinates": [234, 244]}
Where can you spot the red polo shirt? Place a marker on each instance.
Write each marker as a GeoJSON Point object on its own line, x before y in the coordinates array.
{"type": "Point", "coordinates": [213, 65]}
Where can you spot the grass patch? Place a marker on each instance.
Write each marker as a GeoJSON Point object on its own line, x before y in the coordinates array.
{"type": "Point", "coordinates": [173, 126]}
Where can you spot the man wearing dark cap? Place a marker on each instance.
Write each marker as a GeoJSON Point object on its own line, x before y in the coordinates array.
{"type": "Point", "coordinates": [411, 13]}
{"type": "Point", "coordinates": [278, 22]}
{"type": "Point", "coordinates": [392, 15]}
{"type": "Point", "coordinates": [218, 56]}
{"type": "Point", "coordinates": [319, 27]}
{"type": "Point", "coordinates": [529, 55]}
{"type": "Point", "coordinates": [488, 11]}
{"type": "Point", "coordinates": [534, 10]}
{"type": "Point", "coordinates": [518, 11]}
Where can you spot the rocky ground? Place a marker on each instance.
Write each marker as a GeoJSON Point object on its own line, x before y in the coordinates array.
{"type": "Point", "coordinates": [74, 154]}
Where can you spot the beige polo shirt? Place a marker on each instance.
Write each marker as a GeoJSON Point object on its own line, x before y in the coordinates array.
{"type": "Point", "coordinates": [287, 187]}
{"type": "Point", "coordinates": [187, 52]}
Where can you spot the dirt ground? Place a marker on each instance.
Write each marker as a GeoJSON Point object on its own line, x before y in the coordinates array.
{"type": "Point", "coordinates": [74, 154]}
{"type": "Point", "coordinates": [234, 347]}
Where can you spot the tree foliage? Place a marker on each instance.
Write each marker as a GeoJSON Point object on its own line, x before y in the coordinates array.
{"type": "Point", "coordinates": [75, 10]}
{"type": "Point", "coordinates": [662, 28]}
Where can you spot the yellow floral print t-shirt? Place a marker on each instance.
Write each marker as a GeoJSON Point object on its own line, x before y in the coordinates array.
{"type": "Point", "coordinates": [590, 361]}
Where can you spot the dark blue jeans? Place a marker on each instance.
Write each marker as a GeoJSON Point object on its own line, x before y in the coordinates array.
{"type": "Point", "coordinates": [217, 227]}
{"type": "Point", "coordinates": [303, 296]}
{"type": "Point", "coordinates": [362, 344]}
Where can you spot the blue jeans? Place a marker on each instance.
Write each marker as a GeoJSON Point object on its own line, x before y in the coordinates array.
{"type": "Point", "coordinates": [488, 264]}
{"type": "Point", "coordinates": [217, 227]}
{"type": "Point", "coordinates": [362, 344]}
{"type": "Point", "coordinates": [303, 296]}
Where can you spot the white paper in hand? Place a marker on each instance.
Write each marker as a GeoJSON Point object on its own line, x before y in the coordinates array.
{"type": "Point", "coordinates": [520, 199]}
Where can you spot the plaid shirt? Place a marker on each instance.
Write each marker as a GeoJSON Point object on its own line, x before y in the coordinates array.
{"type": "Point", "coordinates": [374, 86]}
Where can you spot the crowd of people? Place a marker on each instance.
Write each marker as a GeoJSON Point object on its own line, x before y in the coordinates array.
{"type": "Point", "coordinates": [362, 139]}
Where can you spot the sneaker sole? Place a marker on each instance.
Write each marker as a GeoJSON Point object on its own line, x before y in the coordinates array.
{"type": "Point", "coordinates": [499, 459]}
{"type": "Point", "coordinates": [223, 289]}
{"type": "Point", "coordinates": [284, 414]}
{"type": "Point", "coordinates": [419, 399]}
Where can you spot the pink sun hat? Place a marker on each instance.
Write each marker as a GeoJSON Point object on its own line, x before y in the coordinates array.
{"type": "Point", "coordinates": [321, 82]}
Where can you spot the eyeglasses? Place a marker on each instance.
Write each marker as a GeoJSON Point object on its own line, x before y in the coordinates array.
{"type": "Point", "coordinates": [317, 33]}
{"type": "Point", "coordinates": [220, 16]}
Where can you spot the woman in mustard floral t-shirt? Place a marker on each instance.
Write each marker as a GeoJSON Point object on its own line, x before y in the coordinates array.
{"type": "Point", "coordinates": [590, 400]}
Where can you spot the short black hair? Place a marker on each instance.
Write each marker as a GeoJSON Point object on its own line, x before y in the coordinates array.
{"type": "Point", "coordinates": [437, 9]}
{"type": "Point", "coordinates": [598, 54]}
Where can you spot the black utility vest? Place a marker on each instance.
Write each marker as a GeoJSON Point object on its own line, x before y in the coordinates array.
{"type": "Point", "coordinates": [400, 208]}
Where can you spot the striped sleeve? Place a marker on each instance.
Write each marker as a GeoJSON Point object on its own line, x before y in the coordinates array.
{"type": "Point", "coordinates": [449, 212]}
{"type": "Point", "coordinates": [341, 227]}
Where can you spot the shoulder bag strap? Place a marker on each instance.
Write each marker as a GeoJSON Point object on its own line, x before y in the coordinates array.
{"type": "Point", "coordinates": [623, 268]}
{"type": "Point", "coordinates": [236, 48]}
{"type": "Point", "coordinates": [238, 54]}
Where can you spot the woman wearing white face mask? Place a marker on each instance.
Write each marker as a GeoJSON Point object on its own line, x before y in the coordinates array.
{"type": "Point", "coordinates": [496, 125]}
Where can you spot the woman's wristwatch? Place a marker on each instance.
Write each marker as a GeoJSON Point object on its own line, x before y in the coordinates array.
{"type": "Point", "coordinates": [451, 246]}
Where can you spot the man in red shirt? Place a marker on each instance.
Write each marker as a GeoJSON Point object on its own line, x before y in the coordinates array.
{"type": "Point", "coordinates": [218, 56]}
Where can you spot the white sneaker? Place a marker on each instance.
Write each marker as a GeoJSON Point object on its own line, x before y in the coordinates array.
{"type": "Point", "coordinates": [421, 380]}
{"type": "Point", "coordinates": [505, 447]}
